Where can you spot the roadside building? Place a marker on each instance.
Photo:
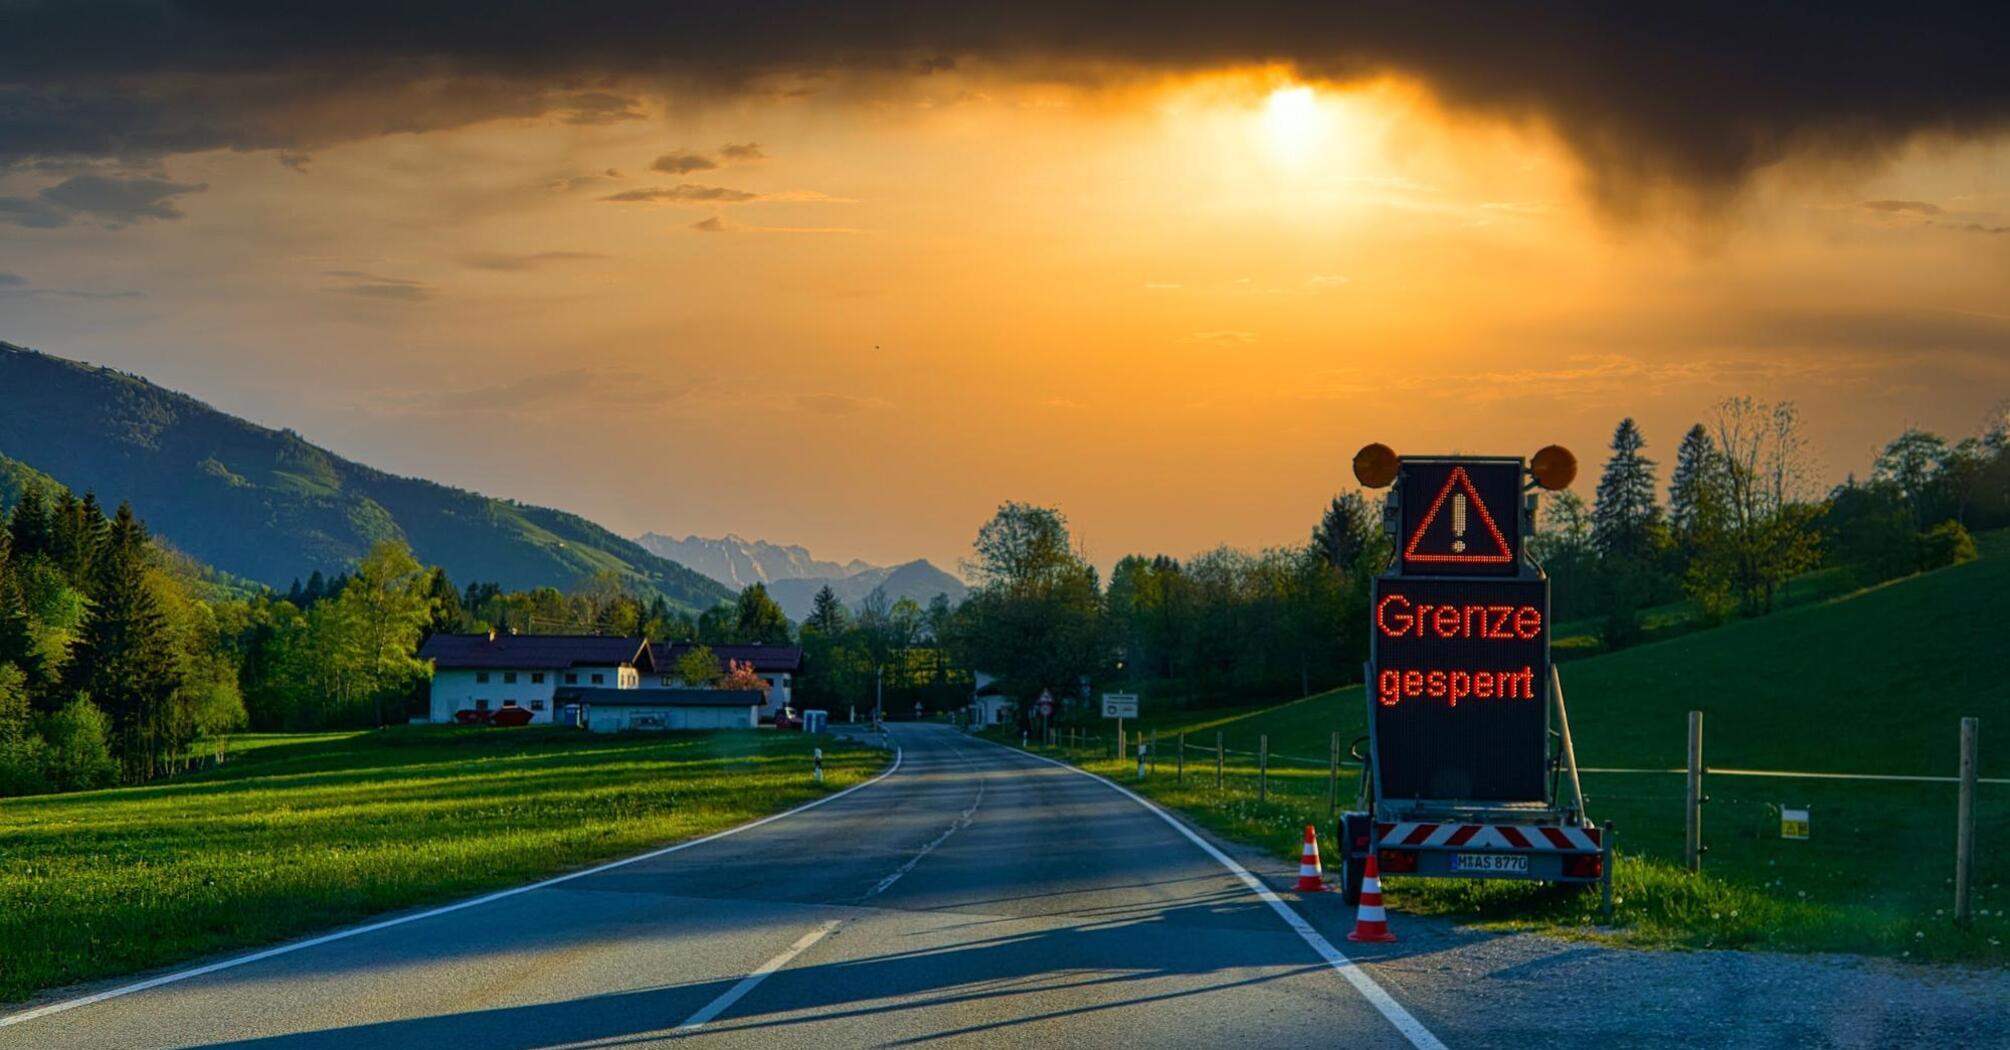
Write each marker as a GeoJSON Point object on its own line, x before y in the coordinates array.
{"type": "Point", "coordinates": [988, 705]}
{"type": "Point", "coordinates": [627, 710]}
{"type": "Point", "coordinates": [492, 671]}
{"type": "Point", "coordinates": [778, 665]}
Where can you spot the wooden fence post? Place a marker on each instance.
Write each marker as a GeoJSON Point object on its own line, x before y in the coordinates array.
{"type": "Point", "coordinates": [1262, 767]}
{"type": "Point", "coordinates": [1964, 826]}
{"type": "Point", "coordinates": [1217, 760]}
{"type": "Point", "coordinates": [1692, 798]}
{"type": "Point", "coordinates": [1179, 771]}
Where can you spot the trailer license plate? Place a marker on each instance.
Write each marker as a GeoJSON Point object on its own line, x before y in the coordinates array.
{"type": "Point", "coordinates": [1504, 863]}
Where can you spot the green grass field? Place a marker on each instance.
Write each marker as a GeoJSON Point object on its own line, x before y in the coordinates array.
{"type": "Point", "coordinates": [306, 832]}
{"type": "Point", "coordinates": [1869, 682]}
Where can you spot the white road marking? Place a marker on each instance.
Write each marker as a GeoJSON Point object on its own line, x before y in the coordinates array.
{"type": "Point", "coordinates": [1406, 1023]}
{"type": "Point", "coordinates": [732, 995]}
{"type": "Point", "coordinates": [958, 825]}
{"type": "Point", "coordinates": [356, 931]}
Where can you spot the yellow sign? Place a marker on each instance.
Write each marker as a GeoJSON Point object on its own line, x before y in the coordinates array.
{"type": "Point", "coordinates": [1793, 823]}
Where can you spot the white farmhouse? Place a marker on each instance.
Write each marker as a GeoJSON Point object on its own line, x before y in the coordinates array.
{"type": "Point", "coordinates": [489, 672]}
{"type": "Point", "coordinates": [778, 665]}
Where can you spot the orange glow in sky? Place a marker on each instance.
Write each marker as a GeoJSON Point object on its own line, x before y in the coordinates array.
{"type": "Point", "coordinates": [859, 318]}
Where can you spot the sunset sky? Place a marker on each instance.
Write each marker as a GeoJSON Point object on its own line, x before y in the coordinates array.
{"type": "Point", "coordinates": [852, 291]}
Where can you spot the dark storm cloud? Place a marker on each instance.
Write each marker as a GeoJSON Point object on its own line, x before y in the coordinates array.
{"type": "Point", "coordinates": [106, 199]}
{"type": "Point", "coordinates": [1697, 96]}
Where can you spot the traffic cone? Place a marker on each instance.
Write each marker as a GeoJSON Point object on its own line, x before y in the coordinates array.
{"type": "Point", "coordinates": [1371, 923]}
{"type": "Point", "coordinates": [1308, 865]}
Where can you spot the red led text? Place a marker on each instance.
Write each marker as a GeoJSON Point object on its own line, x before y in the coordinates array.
{"type": "Point", "coordinates": [1396, 616]}
{"type": "Point", "coordinates": [1393, 687]}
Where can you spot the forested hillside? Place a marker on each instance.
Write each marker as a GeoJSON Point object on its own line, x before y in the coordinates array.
{"type": "Point", "coordinates": [270, 506]}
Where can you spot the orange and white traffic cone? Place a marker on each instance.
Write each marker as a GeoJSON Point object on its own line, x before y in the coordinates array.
{"type": "Point", "coordinates": [1309, 880]}
{"type": "Point", "coordinates": [1371, 923]}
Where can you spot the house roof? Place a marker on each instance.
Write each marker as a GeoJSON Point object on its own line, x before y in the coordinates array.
{"type": "Point", "coordinates": [522, 651]}
{"type": "Point", "coordinates": [783, 658]}
{"type": "Point", "coordinates": [660, 697]}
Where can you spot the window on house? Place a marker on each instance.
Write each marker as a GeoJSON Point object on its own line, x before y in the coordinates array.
{"type": "Point", "coordinates": [537, 705]}
{"type": "Point", "coordinates": [509, 703]}
{"type": "Point", "coordinates": [509, 677]}
{"type": "Point", "coordinates": [481, 677]}
{"type": "Point", "coordinates": [571, 679]}
{"type": "Point", "coordinates": [537, 678]}
{"type": "Point", "coordinates": [599, 679]}
{"type": "Point", "coordinates": [666, 681]}
{"type": "Point", "coordinates": [481, 705]}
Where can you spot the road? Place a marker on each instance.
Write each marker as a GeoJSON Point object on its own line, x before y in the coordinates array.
{"type": "Point", "coordinates": [980, 896]}
{"type": "Point", "coordinates": [974, 896]}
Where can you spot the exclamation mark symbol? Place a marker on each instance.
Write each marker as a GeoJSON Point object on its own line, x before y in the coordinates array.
{"type": "Point", "coordinates": [1459, 522]}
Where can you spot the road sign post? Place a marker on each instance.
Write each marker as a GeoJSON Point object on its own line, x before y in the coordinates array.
{"type": "Point", "coordinates": [1964, 825]}
{"type": "Point", "coordinates": [1692, 798]}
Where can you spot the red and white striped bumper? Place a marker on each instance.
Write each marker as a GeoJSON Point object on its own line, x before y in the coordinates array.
{"type": "Point", "coordinates": [1535, 838]}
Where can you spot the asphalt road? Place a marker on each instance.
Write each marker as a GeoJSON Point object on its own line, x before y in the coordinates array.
{"type": "Point", "coordinates": [975, 896]}
{"type": "Point", "coordinates": [979, 896]}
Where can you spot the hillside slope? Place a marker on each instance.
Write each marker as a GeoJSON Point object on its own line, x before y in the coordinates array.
{"type": "Point", "coordinates": [270, 506]}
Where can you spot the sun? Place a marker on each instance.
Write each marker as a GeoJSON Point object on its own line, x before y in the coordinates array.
{"type": "Point", "coordinates": [1295, 122]}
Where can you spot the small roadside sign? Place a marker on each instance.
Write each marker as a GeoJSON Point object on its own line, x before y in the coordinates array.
{"type": "Point", "coordinates": [1793, 823]}
{"type": "Point", "coordinates": [1120, 705]}
{"type": "Point", "coordinates": [1045, 705]}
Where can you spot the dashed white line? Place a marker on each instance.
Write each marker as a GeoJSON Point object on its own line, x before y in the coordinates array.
{"type": "Point", "coordinates": [746, 984]}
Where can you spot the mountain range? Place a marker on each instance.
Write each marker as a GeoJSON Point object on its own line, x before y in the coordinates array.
{"type": "Point", "coordinates": [793, 577]}
{"type": "Point", "coordinates": [270, 506]}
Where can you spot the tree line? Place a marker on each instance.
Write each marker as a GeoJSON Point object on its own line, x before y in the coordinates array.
{"type": "Point", "coordinates": [1739, 520]}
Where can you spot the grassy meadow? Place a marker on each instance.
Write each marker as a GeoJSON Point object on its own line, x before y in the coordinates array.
{"type": "Point", "coordinates": [1872, 681]}
{"type": "Point", "coordinates": [304, 832]}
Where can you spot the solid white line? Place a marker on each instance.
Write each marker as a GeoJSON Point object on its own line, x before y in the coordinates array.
{"type": "Point", "coordinates": [1412, 1029]}
{"type": "Point", "coordinates": [326, 938]}
{"type": "Point", "coordinates": [732, 995]}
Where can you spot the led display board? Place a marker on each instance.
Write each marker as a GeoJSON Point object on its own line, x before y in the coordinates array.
{"type": "Point", "coordinates": [1460, 688]}
{"type": "Point", "coordinates": [1460, 517]}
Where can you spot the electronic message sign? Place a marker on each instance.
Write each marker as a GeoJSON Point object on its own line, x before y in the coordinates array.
{"type": "Point", "coordinates": [1460, 517]}
{"type": "Point", "coordinates": [1460, 689]}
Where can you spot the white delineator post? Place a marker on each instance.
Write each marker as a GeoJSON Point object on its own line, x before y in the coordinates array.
{"type": "Point", "coordinates": [1964, 826]}
{"type": "Point", "coordinates": [817, 760]}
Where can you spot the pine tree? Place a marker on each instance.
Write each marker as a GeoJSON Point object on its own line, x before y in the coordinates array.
{"type": "Point", "coordinates": [29, 526]}
{"type": "Point", "coordinates": [1695, 496]}
{"type": "Point", "coordinates": [1625, 512]}
{"type": "Point", "coordinates": [17, 638]}
{"type": "Point", "coordinates": [1344, 531]}
{"type": "Point", "coordinates": [125, 658]}
{"type": "Point", "coordinates": [317, 589]}
{"type": "Point", "coordinates": [828, 615]}
{"type": "Point", "coordinates": [293, 594]}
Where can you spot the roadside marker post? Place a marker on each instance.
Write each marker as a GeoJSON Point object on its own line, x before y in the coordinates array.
{"type": "Point", "coordinates": [1179, 764]}
{"type": "Point", "coordinates": [1964, 825]}
{"type": "Point", "coordinates": [1144, 751]}
{"type": "Point", "coordinates": [1263, 767]}
{"type": "Point", "coordinates": [1217, 760]}
{"type": "Point", "coordinates": [1333, 777]}
{"type": "Point", "coordinates": [1692, 798]}
{"type": "Point", "coordinates": [817, 764]}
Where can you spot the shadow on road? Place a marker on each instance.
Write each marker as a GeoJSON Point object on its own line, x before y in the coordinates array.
{"type": "Point", "coordinates": [1066, 971]}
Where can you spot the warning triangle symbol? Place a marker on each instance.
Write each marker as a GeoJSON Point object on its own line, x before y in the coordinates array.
{"type": "Point", "coordinates": [1464, 531]}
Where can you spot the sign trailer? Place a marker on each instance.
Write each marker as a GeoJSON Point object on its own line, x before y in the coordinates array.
{"type": "Point", "coordinates": [1467, 734]}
